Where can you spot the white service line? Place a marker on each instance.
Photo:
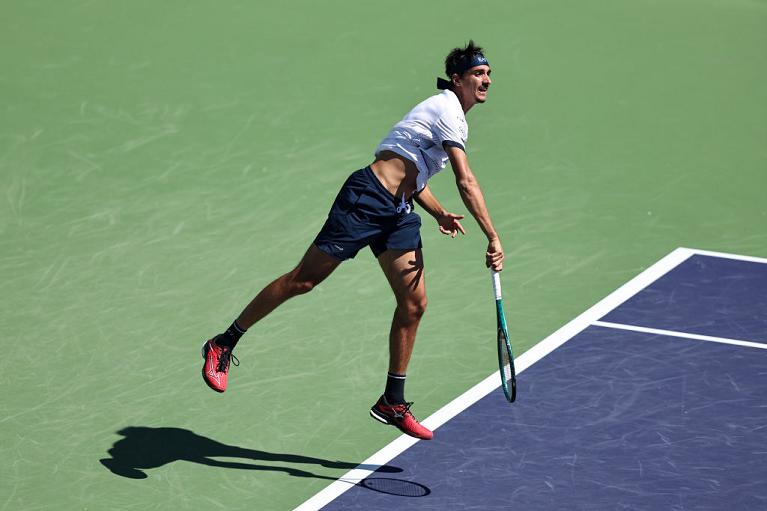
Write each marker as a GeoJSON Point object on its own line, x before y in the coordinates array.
{"type": "Point", "coordinates": [671, 333]}
{"type": "Point", "coordinates": [724, 255]}
{"type": "Point", "coordinates": [492, 382]}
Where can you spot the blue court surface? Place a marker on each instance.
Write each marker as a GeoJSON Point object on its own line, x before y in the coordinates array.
{"type": "Point", "coordinates": [655, 398]}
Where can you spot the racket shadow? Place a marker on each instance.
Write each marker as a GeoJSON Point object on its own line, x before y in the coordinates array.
{"type": "Point", "coordinates": [393, 486]}
{"type": "Point", "coordinates": [143, 448]}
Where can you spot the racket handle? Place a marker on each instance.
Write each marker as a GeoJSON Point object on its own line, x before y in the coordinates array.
{"type": "Point", "coordinates": [496, 283]}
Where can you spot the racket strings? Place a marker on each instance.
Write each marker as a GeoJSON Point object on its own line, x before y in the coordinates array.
{"type": "Point", "coordinates": [507, 374]}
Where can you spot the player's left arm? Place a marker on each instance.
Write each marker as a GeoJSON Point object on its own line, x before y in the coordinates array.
{"type": "Point", "coordinates": [449, 223]}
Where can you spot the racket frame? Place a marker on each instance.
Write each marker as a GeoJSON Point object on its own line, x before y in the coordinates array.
{"type": "Point", "coordinates": [504, 343]}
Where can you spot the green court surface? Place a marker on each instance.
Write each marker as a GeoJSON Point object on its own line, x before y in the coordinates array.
{"type": "Point", "coordinates": [161, 161]}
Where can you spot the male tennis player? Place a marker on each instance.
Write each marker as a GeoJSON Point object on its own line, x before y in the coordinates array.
{"type": "Point", "coordinates": [375, 208]}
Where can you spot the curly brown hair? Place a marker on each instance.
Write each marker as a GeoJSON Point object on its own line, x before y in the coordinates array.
{"type": "Point", "coordinates": [458, 56]}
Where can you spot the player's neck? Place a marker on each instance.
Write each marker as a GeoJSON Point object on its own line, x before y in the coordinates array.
{"type": "Point", "coordinates": [466, 102]}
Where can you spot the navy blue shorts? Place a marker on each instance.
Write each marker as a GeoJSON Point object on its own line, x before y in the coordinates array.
{"type": "Point", "coordinates": [365, 213]}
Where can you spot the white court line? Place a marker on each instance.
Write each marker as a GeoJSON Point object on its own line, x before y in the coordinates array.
{"type": "Point", "coordinates": [684, 335]}
{"type": "Point", "coordinates": [493, 381]}
{"type": "Point", "coordinates": [724, 255]}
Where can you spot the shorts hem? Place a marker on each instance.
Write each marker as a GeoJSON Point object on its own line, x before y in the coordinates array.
{"type": "Point", "coordinates": [329, 251]}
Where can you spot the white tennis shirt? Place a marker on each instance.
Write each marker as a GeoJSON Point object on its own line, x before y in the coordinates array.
{"type": "Point", "coordinates": [420, 135]}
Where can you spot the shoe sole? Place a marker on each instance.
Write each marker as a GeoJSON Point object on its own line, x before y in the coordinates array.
{"type": "Point", "coordinates": [380, 418]}
{"type": "Point", "coordinates": [205, 357]}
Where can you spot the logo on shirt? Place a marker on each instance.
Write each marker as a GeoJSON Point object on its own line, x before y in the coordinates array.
{"type": "Point", "coordinates": [462, 127]}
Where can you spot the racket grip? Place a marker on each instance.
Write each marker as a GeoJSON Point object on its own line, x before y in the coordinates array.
{"type": "Point", "coordinates": [496, 283]}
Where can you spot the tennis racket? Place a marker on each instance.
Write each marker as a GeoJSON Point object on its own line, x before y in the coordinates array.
{"type": "Point", "coordinates": [505, 355]}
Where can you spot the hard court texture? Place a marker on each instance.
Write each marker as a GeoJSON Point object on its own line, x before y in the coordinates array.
{"type": "Point", "coordinates": [613, 419]}
{"type": "Point", "coordinates": [160, 162]}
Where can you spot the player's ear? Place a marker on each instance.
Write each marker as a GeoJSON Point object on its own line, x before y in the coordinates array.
{"type": "Point", "coordinates": [456, 79]}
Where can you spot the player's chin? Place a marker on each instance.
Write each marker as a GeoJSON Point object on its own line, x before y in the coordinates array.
{"type": "Point", "coordinates": [481, 98]}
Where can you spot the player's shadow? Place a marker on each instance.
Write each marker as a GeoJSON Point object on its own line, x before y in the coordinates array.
{"type": "Point", "coordinates": [145, 448]}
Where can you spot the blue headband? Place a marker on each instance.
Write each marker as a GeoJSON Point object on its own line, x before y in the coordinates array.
{"type": "Point", "coordinates": [463, 65]}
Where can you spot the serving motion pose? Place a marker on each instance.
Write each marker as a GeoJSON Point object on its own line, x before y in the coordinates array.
{"type": "Point", "coordinates": [375, 208]}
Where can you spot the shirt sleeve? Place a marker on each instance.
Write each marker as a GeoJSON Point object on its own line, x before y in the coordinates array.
{"type": "Point", "coordinates": [447, 131]}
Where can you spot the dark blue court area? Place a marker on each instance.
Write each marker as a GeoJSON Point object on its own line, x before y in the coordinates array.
{"type": "Point", "coordinates": [614, 419]}
{"type": "Point", "coordinates": [705, 295]}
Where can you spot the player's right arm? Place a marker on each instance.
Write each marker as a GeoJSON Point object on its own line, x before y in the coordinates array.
{"type": "Point", "coordinates": [471, 194]}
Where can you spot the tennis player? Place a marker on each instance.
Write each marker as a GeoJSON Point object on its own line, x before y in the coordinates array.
{"type": "Point", "coordinates": [374, 208]}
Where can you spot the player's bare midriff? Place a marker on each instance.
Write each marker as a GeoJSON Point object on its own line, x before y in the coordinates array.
{"type": "Point", "coordinates": [396, 173]}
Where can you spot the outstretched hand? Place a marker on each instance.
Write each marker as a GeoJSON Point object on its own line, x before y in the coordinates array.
{"type": "Point", "coordinates": [449, 224]}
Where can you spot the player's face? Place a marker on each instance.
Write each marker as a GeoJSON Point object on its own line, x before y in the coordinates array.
{"type": "Point", "coordinates": [473, 84]}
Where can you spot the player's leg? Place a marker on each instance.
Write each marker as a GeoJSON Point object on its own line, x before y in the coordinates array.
{"type": "Point", "coordinates": [313, 268]}
{"type": "Point", "coordinates": [404, 270]}
{"type": "Point", "coordinates": [340, 238]}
